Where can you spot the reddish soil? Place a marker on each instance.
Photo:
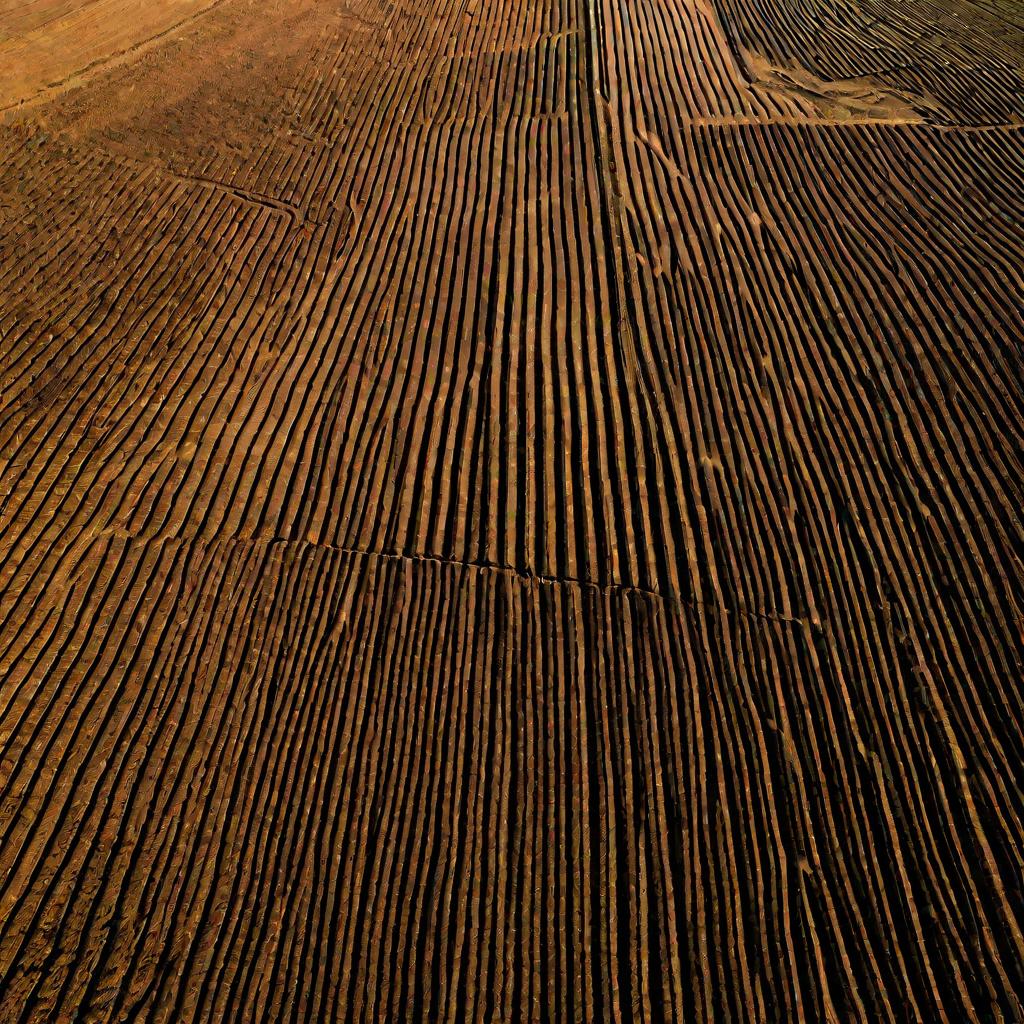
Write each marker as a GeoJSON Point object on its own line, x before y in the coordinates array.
{"type": "Point", "coordinates": [510, 511]}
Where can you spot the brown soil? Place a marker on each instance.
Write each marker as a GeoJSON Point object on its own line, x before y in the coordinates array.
{"type": "Point", "coordinates": [511, 512]}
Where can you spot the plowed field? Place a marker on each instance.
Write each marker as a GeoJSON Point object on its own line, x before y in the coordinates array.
{"type": "Point", "coordinates": [510, 511]}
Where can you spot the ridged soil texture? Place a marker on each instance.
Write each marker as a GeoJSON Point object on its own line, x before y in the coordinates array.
{"type": "Point", "coordinates": [510, 511]}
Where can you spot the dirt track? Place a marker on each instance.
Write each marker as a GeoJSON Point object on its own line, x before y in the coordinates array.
{"type": "Point", "coordinates": [510, 511]}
